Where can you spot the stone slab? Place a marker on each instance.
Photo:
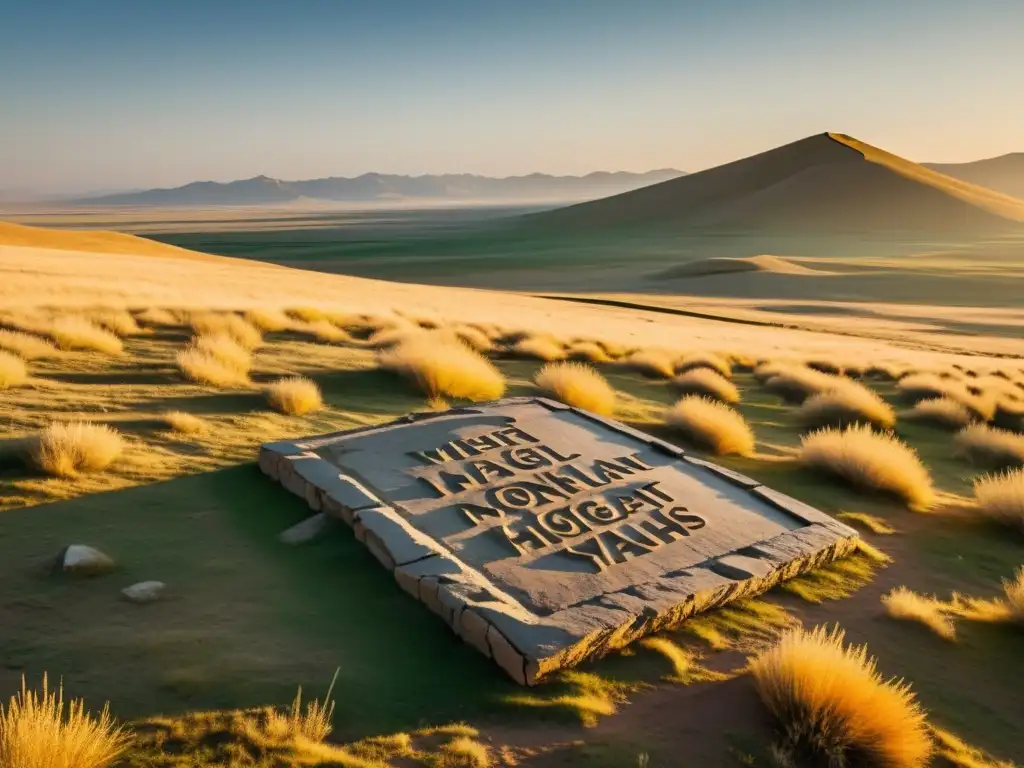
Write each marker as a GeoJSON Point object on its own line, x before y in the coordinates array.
{"type": "Point", "coordinates": [544, 535]}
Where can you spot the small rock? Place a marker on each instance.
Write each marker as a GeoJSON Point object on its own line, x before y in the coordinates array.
{"type": "Point", "coordinates": [144, 591]}
{"type": "Point", "coordinates": [305, 531]}
{"type": "Point", "coordinates": [80, 560]}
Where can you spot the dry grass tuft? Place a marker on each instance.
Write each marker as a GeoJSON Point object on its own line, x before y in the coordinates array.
{"type": "Point", "coordinates": [874, 524]}
{"type": "Point", "coordinates": [902, 603]}
{"type": "Point", "coordinates": [705, 381]}
{"type": "Point", "coordinates": [226, 323]}
{"type": "Point", "coordinates": [41, 730]}
{"type": "Point", "coordinates": [307, 314]}
{"type": "Point", "coordinates": [1014, 591]}
{"type": "Point", "coordinates": [65, 449]}
{"type": "Point", "coordinates": [326, 331]}
{"type": "Point", "coordinates": [473, 337]}
{"type": "Point", "coordinates": [465, 752]}
{"type": "Point", "coordinates": [656, 363]}
{"type": "Point", "coordinates": [590, 351]}
{"type": "Point", "coordinates": [833, 706]}
{"type": "Point", "coordinates": [268, 320]}
{"type": "Point", "coordinates": [796, 383]}
{"type": "Point", "coordinates": [26, 345]}
{"type": "Point", "coordinates": [539, 347]}
{"type": "Point", "coordinates": [870, 461]}
{"type": "Point", "coordinates": [712, 425]}
{"type": "Point", "coordinates": [930, 386]}
{"type": "Point", "coordinates": [958, 754]}
{"type": "Point", "coordinates": [206, 367]}
{"type": "Point", "coordinates": [991, 446]}
{"type": "Point", "coordinates": [184, 423]}
{"type": "Point", "coordinates": [884, 371]}
{"type": "Point", "coordinates": [708, 360]}
{"type": "Point", "coordinates": [225, 349]}
{"type": "Point", "coordinates": [846, 403]}
{"type": "Point", "coordinates": [158, 316]}
{"type": "Point", "coordinates": [1001, 497]}
{"type": "Point", "coordinates": [443, 368]}
{"type": "Point", "coordinates": [941, 412]}
{"type": "Point", "coordinates": [769, 369]}
{"type": "Point", "coordinates": [13, 372]}
{"type": "Point", "coordinates": [74, 332]}
{"type": "Point", "coordinates": [578, 385]}
{"type": "Point", "coordinates": [117, 321]}
{"type": "Point", "coordinates": [294, 396]}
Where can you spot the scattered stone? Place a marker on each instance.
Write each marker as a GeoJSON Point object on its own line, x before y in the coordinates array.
{"type": "Point", "coordinates": [305, 531]}
{"type": "Point", "coordinates": [81, 560]}
{"type": "Point", "coordinates": [144, 591]}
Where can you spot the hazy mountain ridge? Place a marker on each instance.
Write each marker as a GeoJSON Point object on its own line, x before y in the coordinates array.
{"type": "Point", "coordinates": [1003, 174]}
{"type": "Point", "coordinates": [376, 187]}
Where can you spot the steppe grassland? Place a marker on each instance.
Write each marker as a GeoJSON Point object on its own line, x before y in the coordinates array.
{"type": "Point", "coordinates": [133, 391]}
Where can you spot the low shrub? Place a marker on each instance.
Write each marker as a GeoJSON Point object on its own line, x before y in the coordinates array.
{"type": "Point", "coordinates": [204, 367]}
{"type": "Point", "coordinates": [709, 360]}
{"type": "Point", "coordinates": [578, 385]}
{"type": "Point", "coordinates": [942, 412]}
{"type": "Point", "coordinates": [294, 396]}
{"type": "Point", "coordinates": [13, 372]}
{"type": "Point", "coordinates": [226, 323]}
{"type": "Point", "coordinates": [184, 423]}
{"type": "Point", "coordinates": [705, 381]}
{"type": "Point", "coordinates": [26, 345]}
{"type": "Point", "coordinates": [473, 337]}
{"type": "Point", "coordinates": [73, 332]}
{"type": "Point", "coordinates": [1000, 497]}
{"type": "Point", "coordinates": [66, 449]}
{"type": "Point", "coordinates": [590, 351]}
{"type": "Point", "coordinates": [712, 425]}
{"type": "Point", "coordinates": [655, 363]}
{"type": "Point", "coordinates": [869, 461]}
{"type": "Point", "coordinates": [902, 603]}
{"type": "Point", "coordinates": [991, 446]}
{"type": "Point", "coordinates": [539, 347]}
{"type": "Point", "coordinates": [797, 383]}
{"type": "Point", "coordinates": [225, 349]}
{"type": "Point", "coordinates": [846, 403]}
{"type": "Point", "coordinates": [444, 368]}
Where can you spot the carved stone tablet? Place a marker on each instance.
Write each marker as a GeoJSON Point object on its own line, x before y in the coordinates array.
{"type": "Point", "coordinates": [545, 535]}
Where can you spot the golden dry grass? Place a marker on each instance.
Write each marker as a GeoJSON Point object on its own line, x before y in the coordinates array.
{"type": "Point", "coordinates": [26, 345]}
{"type": "Point", "coordinates": [590, 351]}
{"type": "Point", "coordinates": [706, 381]}
{"type": "Point", "coordinates": [225, 349]}
{"type": "Point", "coordinates": [991, 446]}
{"type": "Point", "coordinates": [869, 461]}
{"type": "Point", "coordinates": [205, 367]}
{"type": "Point", "coordinates": [902, 603]}
{"type": "Point", "coordinates": [848, 402]}
{"type": "Point", "coordinates": [769, 369]}
{"type": "Point", "coordinates": [656, 363]}
{"type": "Point", "coordinates": [74, 332]}
{"type": "Point", "coordinates": [578, 385]}
{"type": "Point", "coordinates": [959, 754]}
{"type": "Point", "coordinates": [465, 752]}
{"type": "Point", "coordinates": [1000, 497]}
{"type": "Point", "coordinates": [294, 396]}
{"type": "Point", "coordinates": [709, 360]}
{"type": "Point", "coordinates": [226, 323]}
{"type": "Point", "coordinates": [1014, 591]}
{"type": "Point", "coordinates": [268, 320]}
{"type": "Point", "coordinates": [184, 423]}
{"type": "Point", "coordinates": [13, 371]}
{"type": "Point", "coordinates": [306, 314]}
{"type": "Point", "coordinates": [797, 383]}
{"type": "Point", "coordinates": [326, 331]}
{"type": "Point", "coordinates": [874, 524]}
{"type": "Point", "coordinates": [118, 321]}
{"type": "Point", "coordinates": [929, 386]}
{"type": "Point", "coordinates": [712, 425]}
{"type": "Point", "coordinates": [539, 347]}
{"type": "Point", "coordinates": [159, 317]}
{"type": "Point", "coordinates": [443, 368]}
{"type": "Point", "coordinates": [941, 412]}
{"type": "Point", "coordinates": [64, 449]}
{"type": "Point", "coordinates": [834, 708]}
{"type": "Point", "coordinates": [473, 337]}
{"type": "Point", "coordinates": [42, 730]}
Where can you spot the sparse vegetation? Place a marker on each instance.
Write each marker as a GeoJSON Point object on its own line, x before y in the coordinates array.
{"type": "Point", "coordinates": [13, 372]}
{"type": "Point", "coordinates": [833, 707]}
{"type": "Point", "coordinates": [844, 404]}
{"type": "Point", "coordinates": [539, 347]}
{"type": "Point", "coordinates": [74, 332]}
{"type": "Point", "coordinates": [797, 383]}
{"type": "Point", "coordinates": [118, 321]}
{"type": "Point", "coordinates": [705, 381]}
{"type": "Point", "coordinates": [590, 351]}
{"type": "Point", "coordinates": [225, 349]}
{"type": "Point", "coordinates": [991, 446]}
{"type": "Point", "coordinates": [578, 385]}
{"type": "Point", "coordinates": [65, 449]}
{"type": "Point", "coordinates": [870, 461]}
{"type": "Point", "coordinates": [474, 337]}
{"type": "Point", "coordinates": [184, 423]}
{"type": "Point", "coordinates": [656, 363]}
{"type": "Point", "coordinates": [941, 412]}
{"type": "Point", "coordinates": [204, 367]}
{"type": "Point", "coordinates": [712, 425]}
{"type": "Point", "coordinates": [26, 345]}
{"type": "Point", "coordinates": [902, 603]}
{"type": "Point", "coordinates": [42, 730]}
{"type": "Point", "coordinates": [444, 368]}
{"type": "Point", "coordinates": [1001, 497]}
{"type": "Point", "coordinates": [326, 331]}
{"type": "Point", "coordinates": [708, 360]}
{"type": "Point", "coordinates": [158, 317]}
{"type": "Point", "coordinates": [268, 320]}
{"type": "Point", "coordinates": [294, 396]}
{"type": "Point", "coordinates": [226, 323]}
{"type": "Point", "coordinates": [874, 524]}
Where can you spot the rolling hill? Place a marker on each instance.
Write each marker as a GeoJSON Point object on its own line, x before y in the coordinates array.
{"type": "Point", "coordinates": [1003, 174]}
{"type": "Point", "coordinates": [376, 187]}
{"type": "Point", "coordinates": [829, 183]}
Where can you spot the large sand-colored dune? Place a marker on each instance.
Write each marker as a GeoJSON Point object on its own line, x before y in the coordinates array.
{"type": "Point", "coordinates": [1003, 174]}
{"type": "Point", "coordinates": [93, 241]}
{"type": "Point", "coordinates": [827, 183]}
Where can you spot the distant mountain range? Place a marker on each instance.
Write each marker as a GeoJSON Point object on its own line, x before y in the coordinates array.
{"type": "Point", "coordinates": [828, 184]}
{"type": "Point", "coordinates": [1003, 174]}
{"type": "Point", "coordinates": [376, 187]}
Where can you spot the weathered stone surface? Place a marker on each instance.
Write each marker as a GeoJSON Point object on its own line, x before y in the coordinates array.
{"type": "Point", "coordinates": [82, 560]}
{"type": "Point", "coordinates": [307, 530]}
{"type": "Point", "coordinates": [546, 536]}
{"type": "Point", "coordinates": [144, 592]}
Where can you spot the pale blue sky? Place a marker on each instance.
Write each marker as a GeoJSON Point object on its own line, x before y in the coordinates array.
{"type": "Point", "coordinates": [126, 93]}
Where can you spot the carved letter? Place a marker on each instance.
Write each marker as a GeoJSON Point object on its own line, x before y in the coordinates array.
{"type": "Point", "coordinates": [525, 458]}
{"type": "Point", "coordinates": [598, 514]}
{"type": "Point", "coordinates": [607, 471]}
{"type": "Point", "coordinates": [565, 483]}
{"type": "Point", "coordinates": [663, 529]}
{"type": "Point", "coordinates": [485, 470]}
{"type": "Point", "coordinates": [651, 492]}
{"type": "Point", "coordinates": [562, 522]}
{"type": "Point", "coordinates": [628, 505]}
{"type": "Point", "coordinates": [688, 521]}
{"type": "Point", "coordinates": [476, 511]}
{"type": "Point", "coordinates": [525, 540]}
{"type": "Point", "coordinates": [635, 462]}
{"type": "Point", "coordinates": [593, 550]}
{"type": "Point", "coordinates": [593, 482]}
{"type": "Point", "coordinates": [482, 443]}
{"type": "Point", "coordinates": [455, 482]}
{"type": "Point", "coordinates": [620, 547]}
{"type": "Point", "coordinates": [516, 436]}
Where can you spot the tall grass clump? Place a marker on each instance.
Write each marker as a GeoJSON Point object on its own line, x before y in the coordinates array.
{"type": "Point", "coordinates": [326, 331]}
{"type": "Point", "coordinates": [847, 402]}
{"type": "Point", "coordinates": [73, 332]}
{"type": "Point", "coordinates": [590, 351]}
{"type": "Point", "coordinates": [119, 322]}
{"type": "Point", "coordinates": [268, 320]}
{"type": "Point", "coordinates": [474, 337]}
{"type": "Point", "coordinates": [306, 314]}
{"type": "Point", "coordinates": [215, 362]}
{"type": "Point", "coordinates": [902, 603]}
{"type": "Point", "coordinates": [709, 360]}
{"type": "Point", "coordinates": [835, 709]}
{"type": "Point", "coordinates": [707, 382]}
{"type": "Point", "coordinates": [66, 449]}
{"type": "Point", "coordinates": [991, 446]}
{"type": "Point", "coordinates": [1000, 497]}
{"type": "Point", "coordinates": [294, 396]}
{"type": "Point", "coordinates": [444, 368]}
{"type": "Point", "coordinates": [158, 316]}
{"type": "Point", "coordinates": [26, 345]}
{"type": "Point", "coordinates": [13, 372]}
{"type": "Point", "coordinates": [183, 423]}
{"type": "Point", "coordinates": [41, 730]}
{"type": "Point", "coordinates": [656, 363]}
{"type": "Point", "coordinates": [225, 349]}
{"type": "Point", "coordinates": [929, 386]}
{"type": "Point", "coordinates": [712, 425]}
{"type": "Point", "coordinates": [870, 461]}
{"type": "Point", "coordinates": [578, 385]}
{"type": "Point", "coordinates": [796, 383]}
{"type": "Point", "coordinates": [539, 347]}
{"type": "Point", "coordinates": [226, 323]}
{"type": "Point", "coordinates": [1014, 591]}
{"type": "Point", "coordinates": [942, 412]}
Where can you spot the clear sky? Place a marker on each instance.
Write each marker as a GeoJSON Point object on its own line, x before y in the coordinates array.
{"type": "Point", "coordinates": [101, 94]}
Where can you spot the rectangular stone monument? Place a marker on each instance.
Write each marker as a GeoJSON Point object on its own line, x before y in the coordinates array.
{"type": "Point", "coordinates": [545, 535]}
